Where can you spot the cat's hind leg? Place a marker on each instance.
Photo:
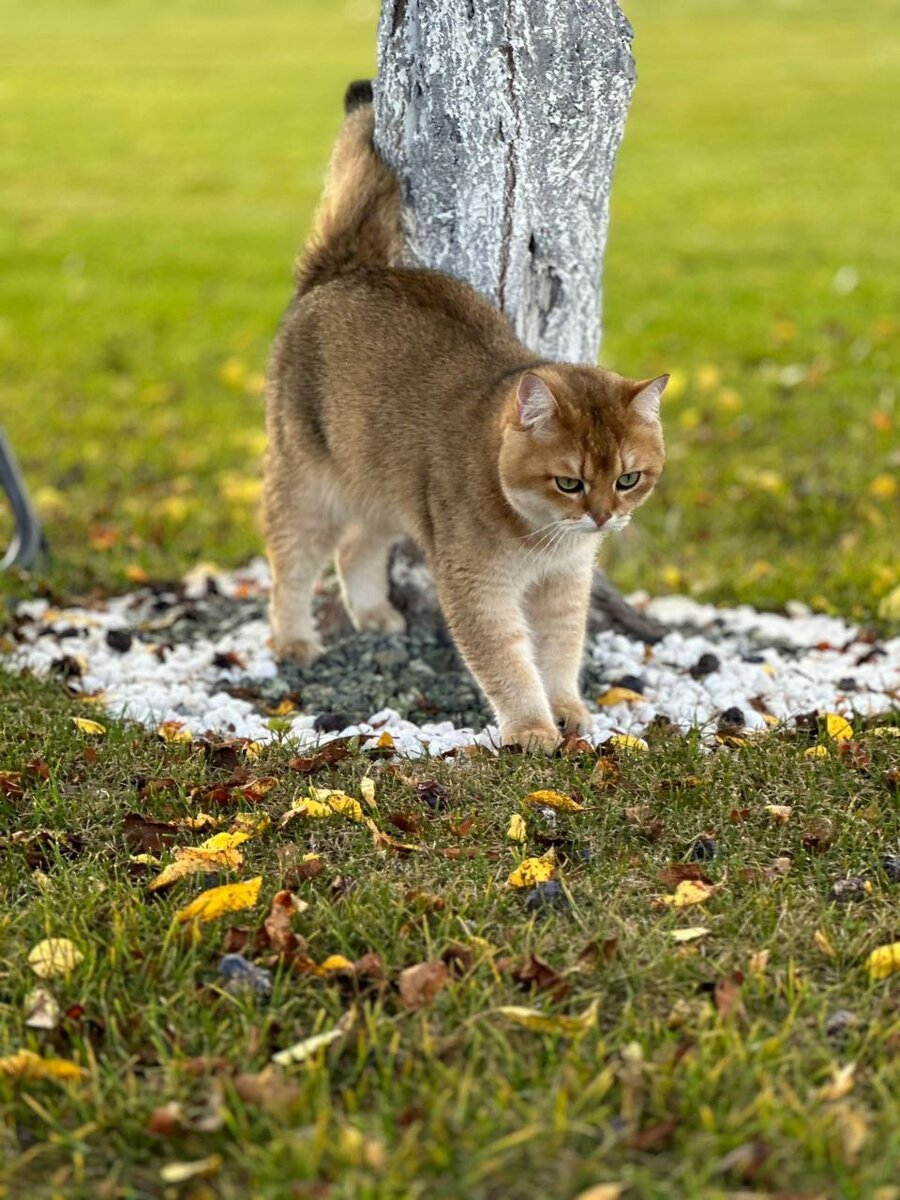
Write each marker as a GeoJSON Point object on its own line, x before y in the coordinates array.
{"type": "Point", "coordinates": [362, 560]}
{"type": "Point", "coordinates": [302, 528]}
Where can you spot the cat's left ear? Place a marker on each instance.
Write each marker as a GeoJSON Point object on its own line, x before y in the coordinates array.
{"type": "Point", "coordinates": [645, 402]}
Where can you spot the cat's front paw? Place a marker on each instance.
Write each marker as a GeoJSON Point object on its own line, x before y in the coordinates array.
{"type": "Point", "coordinates": [533, 738]}
{"type": "Point", "coordinates": [300, 651]}
{"type": "Point", "coordinates": [571, 715]}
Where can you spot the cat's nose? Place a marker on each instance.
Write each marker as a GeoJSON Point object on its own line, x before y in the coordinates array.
{"type": "Point", "coordinates": [600, 519]}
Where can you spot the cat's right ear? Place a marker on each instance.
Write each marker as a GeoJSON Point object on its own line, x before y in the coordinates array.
{"type": "Point", "coordinates": [535, 403]}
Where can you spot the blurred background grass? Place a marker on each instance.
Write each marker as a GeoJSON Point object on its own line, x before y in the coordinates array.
{"type": "Point", "coordinates": [158, 167]}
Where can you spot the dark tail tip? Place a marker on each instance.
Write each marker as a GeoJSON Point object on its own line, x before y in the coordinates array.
{"type": "Point", "coordinates": [358, 93]}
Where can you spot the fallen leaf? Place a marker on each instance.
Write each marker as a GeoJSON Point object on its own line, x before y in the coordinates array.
{"type": "Point", "coordinates": [531, 871]}
{"type": "Point", "coordinates": [619, 695]}
{"type": "Point", "coordinates": [54, 956]}
{"type": "Point", "coordinates": [780, 813]}
{"type": "Point", "coordinates": [540, 1022]}
{"type": "Point", "coordinates": [301, 1051]}
{"type": "Point", "coordinates": [230, 897]}
{"type": "Point", "coordinates": [852, 1130]}
{"type": "Point", "coordinates": [200, 1168]}
{"type": "Point", "coordinates": [384, 841]}
{"type": "Point", "coordinates": [268, 1088]}
{"type": "Point", "coordinates": [367, 791]}
{"type": "Point", "coordinates": [884, 961]}
{"type": "Point", "coordinates": [406, 822]}
{"type": "Point", "coordinates": [278, 925]}
{"type": "Point", "coordinates": [693, 934]}
{"type": "Point", "coordinates": [252, 824]}
{"type": "Point", "coordinates": [329, 756]}
{"type": "Point", "coordinates": [168, 1120]}
{"type": "Point", "coordinates": [841, 1084]}
{"type": "Point", "coordinates": [516, 831]}
{"type": "Point", "coordinates": [28, 1065]}
{"type": "Point", "coordinates": [838, 728]}
{"type": "Point", "coordinates": [727, 995]}
{"type": "Point", "coordinates": [385, 742]}
{"type": "Point", "coordinates": [257, 788]}
{"type": "Point", "coordinates": [174, 732]}
{"type": "Point", "coordinates": [533, 973]}
{"type": "Point", "coordinates": [672, 875]}
{"type": "Point", "coordinates": [224, 841]}
{"type": "Point", "coordinates": [653, 1135]}
{"type": "Point", "coordinates": [823, 944]}
{"type": "Point", "coordinates": [644, 820]}
{"type": "Point", "coordinates": [94, 728]}
{"type": "Point", "coordinates": [602, 1191]}
{"type": "Point", "coordinates": [625, 741]}
{"type": "Point", "coordinates": [420, 984]}
{"type": "Point", "coordinates": [189, 860]}
{"type": "Point", "coordinates": [688, 892]}
{"type": "Point", "coordinates": [151, 836]}
{"type": "Point", "coordinates": [759, 961]}
{"type": "Point", "coordinates": [605, 773]}
{"type": "Point", "coordinates": [551, 799]}
{"type": "Point", "coordinates": [41, 1009]}
{"type": "Point", "coordinates": [817, 751]}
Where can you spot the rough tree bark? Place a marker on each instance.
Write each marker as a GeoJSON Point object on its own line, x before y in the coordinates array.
{"type": "Point", "coordinates": [503, 119]}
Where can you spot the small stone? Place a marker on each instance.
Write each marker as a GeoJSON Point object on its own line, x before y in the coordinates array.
{"type": "Point", "coordinates": [432, 793]}
{"type": "Point", "coordinates": [706, 664]}
{"type": "Point", "coordinates": [703, 849]}
{"type": "Point", "coordinates": [119, 640]}
{"type": "Point", "coordinates": [732, 719]}
{"type": "Point", "coordinates": [890, 864]}
{"type": "Point", "coordinates": [845, 891]}
{"type": "Point", "coordinates": [633, 682]}
{"type": "Point", "coordinates": [847, 684]}
{"type": "Point", "coordinates": [240, 975]}
{"type": "Point", "coordinates": [332, 722]}
{"type": "Point", "coordinates": [545, 897]}
{"type": "Point", "coordinates": [839, 1024]}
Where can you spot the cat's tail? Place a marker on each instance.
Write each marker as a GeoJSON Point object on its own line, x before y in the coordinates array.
{"type": "Point", "coordinates": [357, 224]}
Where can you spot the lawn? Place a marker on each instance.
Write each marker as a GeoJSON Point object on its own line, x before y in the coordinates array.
{"type": "Point", "coordinates": [158, 167]}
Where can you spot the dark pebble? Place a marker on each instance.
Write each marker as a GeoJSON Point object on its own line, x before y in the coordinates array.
{"type": "Point", "coordinates": [891, 865]}
{"type": "Point", "coordinates": [848, 684]}
{"type": "Point", "coordinates": [845, 891]}
{"type": "Point", "coordinates": [732, 718]}
{"type": "Point", "coordinates": [331, 722]}
{"type": "Point", "coordinates": [119, 640]}
{"type": "Point", "coordinates": [545, 897]}
{"type": "Point", "coordinates": [240, 975]}
{"type": "Point", "coordinates": [703, 849]}
{"type": "Point", "coordinates": [433, 794]}
{"type": "Point", "coordinates": [634, 682]}
{"type": "Point", "coordinates": [706, 664]}
{"type": "Point", "coordinates": [839, 1024]}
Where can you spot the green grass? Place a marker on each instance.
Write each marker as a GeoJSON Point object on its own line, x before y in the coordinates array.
{"type": "Point", "coordinates": [158, 166]}
{"type": "Point", "coordinates": [452, 1099]}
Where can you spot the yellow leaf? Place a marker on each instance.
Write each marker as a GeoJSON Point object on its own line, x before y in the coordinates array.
{"type": "Point", "coordinates": [842, 1083]}
{"type": "Point", "coordinates": [688, 892]}
{"type": "Point", "coordinates": [28, 1065]}
{"type": "Point", "coordinates": [883, 487]}
{"type": "Point", "coordinates": [54, 956]}
{"type": "Point", "coordinates": [838, 727]}
{"type": "Point", "coordinates": [251, 824]}
{"type": "Point", "coordinates": [780, 813]}
{"type": "Point", "coordinates": [199, 822]}
{"type": "Point", "coordinates": [230, 897]}
{"type": "Point", "coordinates": [191, 859]}
{"type": "Point", "coordinates": [550, 799]}
{"type": "Point", "coordinates": [333, 963]}
{"type": "Point", "coordinates": [531, 871]}
{"type": "Point", "coordinates": [174, 731]}
{"type": "Point", "coordinates": [602, 1191]}
{"type": "Point", "coordinates": [311, 808]}
{"type": "Point", "coordinates": [732, 739]}
{"type": "Point", "coordinates": [516, 831]}
{"type": "Point", "coordinates": [816, 752]}
{"type": "Point", "coordinates": [224, 841]}
{"type": "Point", "coordinates": [539, 1022]}
{"type": "Point", "coordinates": [823, 944]}
{"type": "Point", "coordinates": [689, 935]}
{"type": "Point", "coordinates": [200, 1168]}
{"type": "Point", "coordinates": [367, 791]}
{"type": "Point", "coordinates": [385, 742]}
{"type": "Point", "coordinates": [301, 1051]}
{"type": "Point", "coordinates": [92, 727]}
{"type": "Point", "coordinates": [253, 750]}
{"type": "Point", "coordinates": [625, 741]}
{"type": "Point", "coordinates": [347, 807]}
{"type": "Point", "coordinates": [619, 695]}
{"type": "Point", "coordinates": [884, 961]}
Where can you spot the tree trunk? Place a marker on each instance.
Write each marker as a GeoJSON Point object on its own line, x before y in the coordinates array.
{"type": "Point", "coordinates": [503, 119]}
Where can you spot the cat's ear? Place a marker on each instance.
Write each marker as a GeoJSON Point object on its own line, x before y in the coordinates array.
{"type": "Point", "coordinates": [535, 403]}
{"type": "Point", "coordinates": [645, 402]}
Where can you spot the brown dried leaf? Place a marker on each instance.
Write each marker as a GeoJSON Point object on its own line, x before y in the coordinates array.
{"type": "Point", "coordinates": [532, 973]}
{"type": "Point", "coordinates": [147, 835]}
{"type": "Point", "coordinates": [644, 821]}
{"type": "Point", "coordinates": [420, 984]}
{"type": "Point", "coordinates": [277, 927]}
{"type": "Point", "coordinates": [329, 756]}
{"type": "Point", "coordinates": [727, 995]}
{"type": "Point", "coordinates": [672, 875]}
{"type": "Point", "coordinates": [406, 822]}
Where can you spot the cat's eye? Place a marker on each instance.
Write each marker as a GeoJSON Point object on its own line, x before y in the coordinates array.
{"type": "Point", "coordinates": [569, 486]}
{"type": "Point", "coordinates": [628, 480]}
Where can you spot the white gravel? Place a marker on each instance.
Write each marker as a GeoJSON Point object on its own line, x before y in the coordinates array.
{"type": "Point", "coordinates": [805, 661]}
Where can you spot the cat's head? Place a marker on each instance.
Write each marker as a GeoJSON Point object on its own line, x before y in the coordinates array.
{"type": "Point", "coordinates": [581, 447]}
